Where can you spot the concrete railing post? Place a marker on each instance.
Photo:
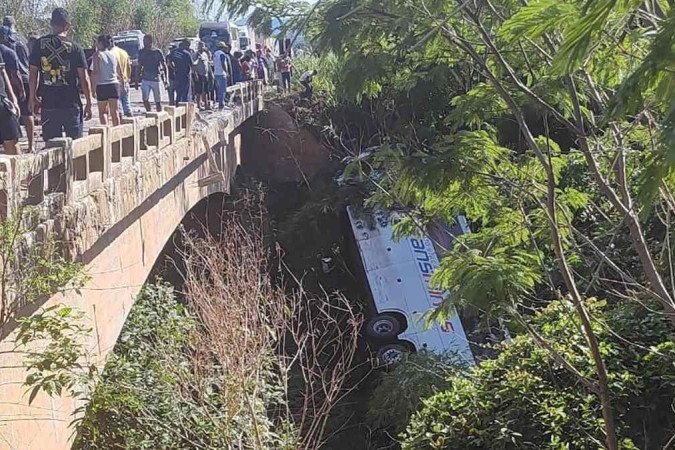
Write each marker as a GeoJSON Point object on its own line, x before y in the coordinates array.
{"type": "Point", "coordinates": [101, 158]}
{"type": "Point", "coordinates": [161, 133]}
{"type": "Point", "coordinates": [60, 171]}
{"type": "Point", "coordinates": [67, 174]}
{"type": "Point", "coordinates": [189, 118]}
{"type": "Point", "coordinates": [132, 144]}
{"type": "Point", "coordinates": [153, 135]}
{"type": "Point", "coordinates": [176, 114]}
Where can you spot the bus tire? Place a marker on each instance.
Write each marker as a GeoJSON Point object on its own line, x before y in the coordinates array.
{"type": "Point", "coordinates": [391, 355]}
{"type": "Point", "coordinates": [383, 327]}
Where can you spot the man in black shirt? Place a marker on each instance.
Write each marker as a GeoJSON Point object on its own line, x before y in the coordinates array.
{"type": "Point", "coordinates": [152, 68]}
{"type": "Point", "coordinates": [9, 113]}
{"type": "Point", "coordinates": [57, 71]}
{"type": "Point", "coordinates": [180, 60]}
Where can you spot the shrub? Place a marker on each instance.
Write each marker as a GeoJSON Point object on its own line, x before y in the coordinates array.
{"type": "Point", "coordinates": [524, 399]}
{"type": "Point", "coordinates": [401, 390]}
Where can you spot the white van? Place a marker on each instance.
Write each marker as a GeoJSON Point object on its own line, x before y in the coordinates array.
{"type": "Point", "coordinates": [398, 274]}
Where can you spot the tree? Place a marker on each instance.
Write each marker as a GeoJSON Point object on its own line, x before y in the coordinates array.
{"type": "Point", "coordinates": [268, 17]}
{"type": "Point", "coordinates": [29, 14]}
{"type": "Point", "coordinates": [164, 19]}
{"type": "Point", "coordinates": [86, 17]}
{"type": "Point", "coordinates": [525, 399]}
{"type": "Point", "coordinates": [542, 199]}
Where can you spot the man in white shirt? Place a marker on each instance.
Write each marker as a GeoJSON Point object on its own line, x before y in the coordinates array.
{"type": "Point", "coordinates": [306, 80]}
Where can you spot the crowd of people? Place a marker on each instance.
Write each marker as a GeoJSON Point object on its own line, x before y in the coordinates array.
{"type": "Point", "coordinates": [50, 75]}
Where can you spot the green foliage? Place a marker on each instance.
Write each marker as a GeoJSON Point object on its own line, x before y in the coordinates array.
{"type": "Point", "coordinates": [288, 16]}
{"type": "Point", "coordinates": [30, 16]}
{"type": "Point", "coordinates": [30, 270]}
{"type": "Point", "coordinates": [164, 19]}
{"type": "Point", "coordinates": [61, 364]}
{"type": "Point", "coordinates": [486, 281]}
{"type": "Point", "coordinates": [401, 391]}
{"type": "Point", "coordinates": [152, 395]}
{"type": "Point", "coordinates": [524, 399]}
{"type": "Point", "coordinates": [52, 339]}
{"type": "Point", "coordinates": [653, 82]}
{"type": "Point", "coordinates": [537, 18]}
{"type": "Point", "coordinates": [473, 108]}
{"type": "Point", "coordinates": [328, 70]}
{"type": "Point", "coordinates": [86, 17]}
{"type": "Point", "coordinates": [539, 105]}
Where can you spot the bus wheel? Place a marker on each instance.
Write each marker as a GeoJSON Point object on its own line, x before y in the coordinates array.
{"type": "Point", "coordinates": [391, 355]}
{"type": "Point", "coordinates": [383, 327]}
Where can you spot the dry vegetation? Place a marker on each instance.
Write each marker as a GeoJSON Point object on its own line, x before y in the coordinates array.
{"type": "Point", "coordinates": [260, 332]}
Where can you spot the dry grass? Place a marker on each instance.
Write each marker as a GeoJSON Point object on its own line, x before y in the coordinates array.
{"type": "Point", "coordinates": [259, 331]}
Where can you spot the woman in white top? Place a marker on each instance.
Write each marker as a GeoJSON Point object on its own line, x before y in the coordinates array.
{"type": "Point", "coordinates": [106, 73]}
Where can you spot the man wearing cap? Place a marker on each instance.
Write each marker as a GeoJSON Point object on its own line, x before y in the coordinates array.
{"type": "Point", "coordinates": [222, 71]}
{"type": "Point", "coordinates": [16, 43]}
{"type": "Point", "coordinates": [180, 60]}
{"type": "Point", "coordinates": [10, 132]}
{"type": "Point", "coordinates": [58, 69]}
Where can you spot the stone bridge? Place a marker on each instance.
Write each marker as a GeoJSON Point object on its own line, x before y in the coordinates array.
{"type": "Point", "coordinates": [114, 197]}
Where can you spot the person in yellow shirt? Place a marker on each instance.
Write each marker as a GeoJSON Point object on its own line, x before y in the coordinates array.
{"type": "Point", "coordinates": [125, 64]}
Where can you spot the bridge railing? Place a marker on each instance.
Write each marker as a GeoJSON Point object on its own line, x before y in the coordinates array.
{"type": "Point", "coordinates": [67, 170]}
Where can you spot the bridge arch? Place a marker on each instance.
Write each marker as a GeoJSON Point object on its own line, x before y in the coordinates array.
{"type": "Point", "coordinates": [121, 193]}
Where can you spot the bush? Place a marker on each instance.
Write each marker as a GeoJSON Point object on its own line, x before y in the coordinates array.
{"type": "Point", "coordinates": [327, 70]}
{"type": "Point", "coordinates": [147, 398]}
{"type": "Point", "coordinates": [138, 394]}
{"type": "Point", "coordinates": [523, 399]}
{"type": "Point", "coordinates": [401, 391]}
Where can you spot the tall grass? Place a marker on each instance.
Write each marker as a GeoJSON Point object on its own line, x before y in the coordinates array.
{"type": "Point", "coordinates": [328, 70]}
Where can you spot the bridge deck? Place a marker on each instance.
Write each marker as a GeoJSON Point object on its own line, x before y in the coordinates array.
{"type": "Point", "coordinates": [137, 109]}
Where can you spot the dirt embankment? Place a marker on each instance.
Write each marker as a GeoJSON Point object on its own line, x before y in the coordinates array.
{"type": "Point", "coordinates": [276, 149]}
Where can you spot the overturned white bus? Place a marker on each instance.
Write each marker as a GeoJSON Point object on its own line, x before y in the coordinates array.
{"type": "Point", "coordinates": [398, 274]}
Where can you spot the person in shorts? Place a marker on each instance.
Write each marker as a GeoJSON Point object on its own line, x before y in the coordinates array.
{"type": "Point", "coordinates": [10, 131]}
{"type": "Point", "coordinates": [58, 70]}
{"type": "Point", "coordinates": [152, 67]}
{"type": "Point", "coordinates": [106, 73]}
